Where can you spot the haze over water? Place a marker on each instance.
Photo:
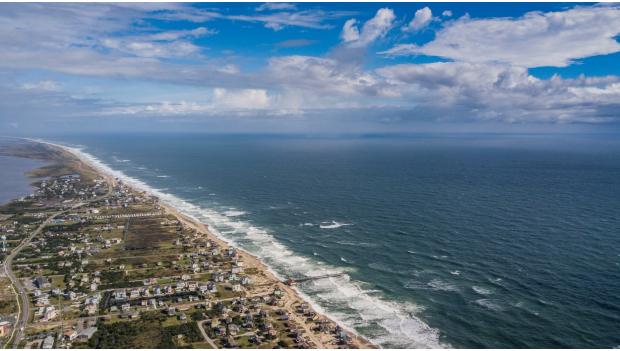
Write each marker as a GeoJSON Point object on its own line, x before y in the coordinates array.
{"type": "Point", "coordinates": [482, 241]}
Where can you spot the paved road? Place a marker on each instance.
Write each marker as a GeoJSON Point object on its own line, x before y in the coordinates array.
{"type": "Point", "coordinates": [205, 336]}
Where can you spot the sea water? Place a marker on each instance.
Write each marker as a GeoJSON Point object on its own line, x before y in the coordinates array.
{"type": "Point", "coordinates": [479, 241]}
{"type": "Point", "coordinates": [14, 181]}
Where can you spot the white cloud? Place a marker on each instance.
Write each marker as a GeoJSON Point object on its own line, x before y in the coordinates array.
{"type": "Point", "coordinates": [44, 85]}
{"type": "Point", "coordinates": [350, 31]}
{"type": "Point", "coordinates": [276, 6]}
{"type": "Point", "coordinates": [178, 34]}
{"type": "Point", "coordinates": [152, 49]}
{"type": "Point", "coordinates": [374, 28]}
{"type": "Point", "coordinates": [447, 13]}
{"type": "Point", "coordinates": [240, 98]}
{"type": "Point", "coordinates": [324, 77]}
{"type": "Point", "coordinates": [229, 69]}
{"type": "Point", "coordinates": [275, 26]}
{"type": "Point", "coordinates": [421, 19]}
{"type": "Point", "coordinates": [534, 40]}
{"type": "Point", "coordinates": [316, 19]}
{"type": "Point", "coordinates": [500, 92]}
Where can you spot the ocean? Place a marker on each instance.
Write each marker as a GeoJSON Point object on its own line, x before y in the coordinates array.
{"type": "Point", "coordinates": [479, 241]}
{"type": "Point", "coordinates": [15, 182]}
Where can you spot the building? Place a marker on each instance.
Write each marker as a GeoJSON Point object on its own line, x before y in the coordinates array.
{"type": "Point", "coordinates": [41, 283]}
{"type": "Point", "coordinates": [48, 342]}
{"type": "Point", "coordinates": [87, 333]}
{"type": "Point", "coordinates": [70, 334]}
{"type": "Point", "coordinates": [5, 328]}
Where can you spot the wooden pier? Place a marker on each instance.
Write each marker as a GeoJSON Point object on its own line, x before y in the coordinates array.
{"type": "Point", "coordinates": [291, 281]}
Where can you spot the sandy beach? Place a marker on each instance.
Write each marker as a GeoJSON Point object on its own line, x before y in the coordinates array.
{"type": "Point", "coordinates": [265, 280]}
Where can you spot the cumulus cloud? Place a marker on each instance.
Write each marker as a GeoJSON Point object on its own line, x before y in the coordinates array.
{"type": "Point", "coordinates": [349, 31]}
{"type": "Point", "coordinates": [534, 40]}
{"type": "Point", "coordinates": [322, 76]}
{"type": "Point", "coordinates": [447, 13]}
{"type": "Point", "coordinates": [421, 19]}
{"type": "Point", "coordinates": [375, 28]}
{"type": "Point", "coordinates": [505, 93]}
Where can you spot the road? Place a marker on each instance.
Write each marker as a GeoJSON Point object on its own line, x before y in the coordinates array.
{"type": "Point", "coordinates": [205, 336]}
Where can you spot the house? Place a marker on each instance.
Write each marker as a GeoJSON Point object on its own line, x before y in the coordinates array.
{"type": "Point", "coordinates": [49, 313]}
{"type": "Point", "coordinates": [203, 289]}
{"type": "Point", "coordinates": [236, 287]}
{"type": "Point", "coordinates": [48, 342]}
{"type": "Point", "coordinates": [120, 295]}
{"type": "Point", "coordinates": [91, 309]}
{"type": "Point", "coordinates": [233, 329]}
{"type": "Point", "coordinates": [42, 283]}
{"type": "Point", "coordinates": [87, 333]}
{"type": "Point", "coordinates": [5, 327]}
{"type": "Point", "coordinates": [125, 307]}
{"type": "Point", "coordinates": [70, 334]}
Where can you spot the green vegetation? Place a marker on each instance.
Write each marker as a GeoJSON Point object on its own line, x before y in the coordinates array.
{"type": "Point", "coordinates": [148, 332]}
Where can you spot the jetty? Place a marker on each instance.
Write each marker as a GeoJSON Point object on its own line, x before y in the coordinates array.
{"type": "Point", "coordinates": [291, 281]}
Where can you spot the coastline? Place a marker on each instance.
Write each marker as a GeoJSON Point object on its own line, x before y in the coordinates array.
{"type": "Point", "coordinates": [269, 277]}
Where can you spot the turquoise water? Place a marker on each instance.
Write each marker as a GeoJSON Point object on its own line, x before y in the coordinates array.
{"type": "Point", "coordinates": [15, 183]}
{"type": "Point", "coordinates": [488, 241]}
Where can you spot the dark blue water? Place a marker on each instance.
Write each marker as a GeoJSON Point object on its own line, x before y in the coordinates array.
{"type": "Point", "coordinates": [489, 241]}
{"type": "Point", "coordinates": [14, 180]}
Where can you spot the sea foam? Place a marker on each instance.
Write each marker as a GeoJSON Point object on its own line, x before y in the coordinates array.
{"type": "Point", "coordinates": [341, 299]}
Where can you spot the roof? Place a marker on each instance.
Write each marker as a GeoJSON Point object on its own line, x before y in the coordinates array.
{"type": "Point", "coordinates": [88, 332]}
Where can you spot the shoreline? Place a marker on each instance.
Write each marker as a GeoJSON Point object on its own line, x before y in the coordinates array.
{"type": "Point", "coordinates": [270, 276]}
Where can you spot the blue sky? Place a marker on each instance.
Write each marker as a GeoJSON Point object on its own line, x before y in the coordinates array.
{"type": "Point", "coordinates": [286, 67]}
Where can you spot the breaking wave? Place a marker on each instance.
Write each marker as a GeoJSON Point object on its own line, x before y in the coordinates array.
{"type": "Point", "coordinates": [482, 291]}
{"type": "Point", "coordinates": [234, 213]}
{"type": "Point", "coordinates": [332, 225]}
{"type": "Point", "coordinates": [394, 324]}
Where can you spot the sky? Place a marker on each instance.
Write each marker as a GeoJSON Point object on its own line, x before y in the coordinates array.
{"type": "Point", "coordinates": [309, 67]}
